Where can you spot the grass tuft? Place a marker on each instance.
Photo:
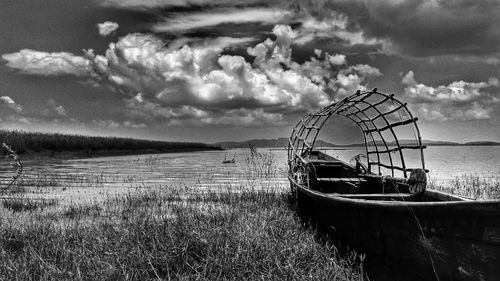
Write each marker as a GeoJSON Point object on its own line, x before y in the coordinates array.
{"type": "Point", "coordinates": [261, 164]}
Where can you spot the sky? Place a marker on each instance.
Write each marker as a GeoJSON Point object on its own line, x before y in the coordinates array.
{"type": "Point", "coordinates": [214, 70]}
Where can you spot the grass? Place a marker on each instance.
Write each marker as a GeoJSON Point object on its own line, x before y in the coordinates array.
{"type": "Point", "coordinates": [29, 142]}
{"type": "Point", "coordinates": [21, 204]}
{"type": "Point", "coordinates": [177, 233]}
{"type": "Point", "coordinates": [261, 164]}
{"type": "Point", "coordinates": [472, 186]}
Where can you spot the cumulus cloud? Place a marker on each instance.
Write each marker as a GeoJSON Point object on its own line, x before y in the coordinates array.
{"type": "Point", "coordinates": [8, 102]}
{"type": "Point", "coordinates": [106, 28]}
{"type": "Point", "coordinates": [53, 111]}
{"type": "Point", "coordinates": [44, 63]}
{"type": "Point", "coordinates": [50, 111]}
{"type": "Point", "coordinates": [195, 83]}
{"type": "Point", "coordinates": [420, 27]}
{"type": "Point", "coordinates": [457, 101]}
{"type": "Point", "coordinates": [14, 113]}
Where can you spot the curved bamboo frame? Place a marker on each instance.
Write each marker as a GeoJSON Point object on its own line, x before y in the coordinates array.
{"type": "Point", "coordinates": [364, 109]}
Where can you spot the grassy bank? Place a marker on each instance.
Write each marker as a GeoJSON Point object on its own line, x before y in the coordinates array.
{"type": "Point", "coordinates": [67, 145]}
{"type": "Point", "coordinates": [178, 233]}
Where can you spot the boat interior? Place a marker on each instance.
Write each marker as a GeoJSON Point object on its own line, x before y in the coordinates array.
{"type": "Point", "coordinates": [334, 177]}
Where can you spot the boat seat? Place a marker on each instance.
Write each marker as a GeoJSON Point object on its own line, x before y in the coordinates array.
{"type": "Point", "coordinates": [375, 196]}
{"type": "Point", "coordinates": [326, 164]}
{"type": "Point", "coordinates": [353, 180]}
{"type": "Point", "coordinates": [326, 161]}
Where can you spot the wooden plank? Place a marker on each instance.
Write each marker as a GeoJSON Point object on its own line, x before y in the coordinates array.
{"type": "Point", "coordinates": [342, 179]}
{"type": "Point", "coordinates": [373, 195]}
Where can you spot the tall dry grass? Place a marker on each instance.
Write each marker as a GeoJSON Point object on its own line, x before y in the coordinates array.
{"type": "Point", "coordinates": [169, 234]}
{"type": "Point", "coordinates": [472, 186]}
{"type": "Point", "coordinates": [261, 164]}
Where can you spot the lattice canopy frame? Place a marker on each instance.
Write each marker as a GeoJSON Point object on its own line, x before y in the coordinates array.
{"type": "Point", "coordinates": [381, 117]}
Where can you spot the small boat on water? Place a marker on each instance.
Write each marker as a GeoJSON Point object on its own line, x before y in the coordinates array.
{"type": "Point", "coordinates": [229, 161]}
{"type": "Point", "coordinates": [382, 207]}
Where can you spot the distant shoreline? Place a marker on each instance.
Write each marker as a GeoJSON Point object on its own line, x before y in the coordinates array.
{"type": "Point", "coordinates": [341, 147]}
{"type": "Point", "coordinates": [283, 142]}
{"type": "Point", "coordinates": [33, 145]}
{"type": "Point", "coordinates": [104, 153]}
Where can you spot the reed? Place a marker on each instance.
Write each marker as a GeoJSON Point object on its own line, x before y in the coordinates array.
{"type": "Point", "coordinates": [15, 165]}
{"type": "Point", "coordinates": [472, 186]}
{"type": "Point", "coordinates": [233, 233]}
{"type": "Point", "coordinates": [28, 142]}
{"type": "Point", "coordinates": [261, 164]}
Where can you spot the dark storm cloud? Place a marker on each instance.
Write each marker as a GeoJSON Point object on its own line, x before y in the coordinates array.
{"type": "Point", "coordinates": [421, 27]}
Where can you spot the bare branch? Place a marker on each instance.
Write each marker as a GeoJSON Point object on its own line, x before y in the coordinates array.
{"type": "Point", "coordinates": [15, 163]}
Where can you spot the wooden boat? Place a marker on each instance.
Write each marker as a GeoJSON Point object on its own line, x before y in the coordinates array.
{"type": "Point", "coordinates": [383, 208]}
{"type": "Point", "coordinates": [229, 161]}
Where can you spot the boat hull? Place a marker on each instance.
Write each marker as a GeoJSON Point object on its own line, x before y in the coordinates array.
{"type": "Point", "coordinates": [457, 240]}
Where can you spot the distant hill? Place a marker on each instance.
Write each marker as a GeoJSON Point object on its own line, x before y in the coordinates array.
{"type": "Point", "coordinates": [283, 142]}
{"type": "Point", "coordinates": [277, 143]}
{"type": "Point", "coordinates": [413, 142]}
{"type": "Point", "coordinates": [426, 142]}
{"type": "Point", "coordinates": [482, 143]}
{"type": "Point", "coordinates": [430, 142]}
{"type": "Point", "coordinates": [280, 142]}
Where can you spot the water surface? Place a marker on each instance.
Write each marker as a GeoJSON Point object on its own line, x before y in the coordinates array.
{"type": "Point", "coordinates": [95, 178]}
